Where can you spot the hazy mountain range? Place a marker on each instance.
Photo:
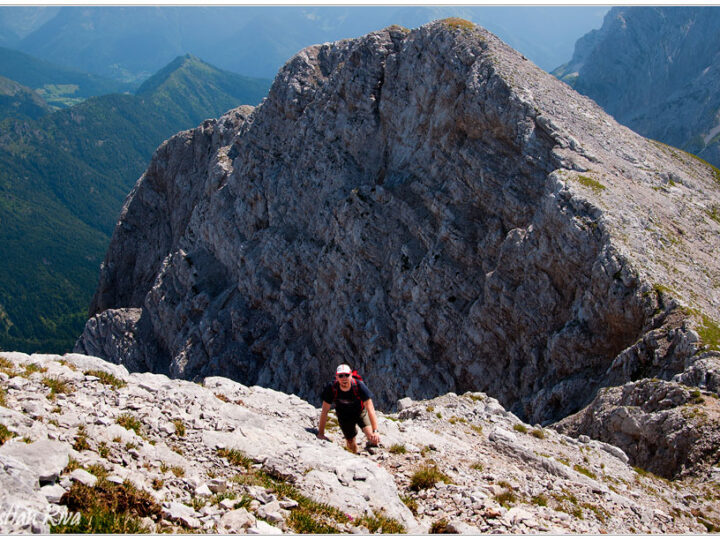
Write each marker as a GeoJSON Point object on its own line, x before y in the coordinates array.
{"type": "Point", "coordinates": [64, 175]}
{"type": "Point", "coordinates": [656, 70]}
{"type": "Point", "coordinates": [130, 43]}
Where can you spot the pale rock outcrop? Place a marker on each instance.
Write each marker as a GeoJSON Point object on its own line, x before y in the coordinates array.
{"type": "Point", "coordinates": [429, 207]}
{"type": "Point", "coordinates": [501, 475]}
{"type": "Point", "coordinates": [668, 428]}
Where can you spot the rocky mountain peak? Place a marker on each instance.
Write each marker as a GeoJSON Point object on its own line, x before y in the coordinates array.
{"type": "Point", "coordinates": [431, 208]}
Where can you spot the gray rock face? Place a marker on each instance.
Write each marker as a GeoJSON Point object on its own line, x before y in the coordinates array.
{"type": "Point", "coordinates": [655, 70]}
{"type": "Point", "coordinates": [427, 206]}
{"type": "Point", "coordinates": [660, 425]}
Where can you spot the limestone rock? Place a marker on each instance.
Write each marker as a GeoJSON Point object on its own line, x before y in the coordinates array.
{"type": "Point", "coordinates": [84, 477]}
{"type": "Point", "coordinates": [52, 492]}
{"type": "Point", "coordinates": [182, 513]}
{"type": "Point", "coordinates": [236, 521]}
{"type": "Point", "coordinates": [561, 484]}
{"type": "Point", "coordinates": [663, 426]}
{"type": "Point", "coordinates": [45, 458]}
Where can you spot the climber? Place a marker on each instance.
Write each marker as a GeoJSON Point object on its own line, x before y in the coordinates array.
{"type": "Point", "coordinates": [353, 406]}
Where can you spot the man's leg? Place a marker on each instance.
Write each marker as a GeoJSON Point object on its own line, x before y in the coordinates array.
{"type": "Point", "coordinates": [347, 425]}
{"type": "Point", "coordinates": [364, 423]}
{"type": "Point", "coordinates": [351, 445]}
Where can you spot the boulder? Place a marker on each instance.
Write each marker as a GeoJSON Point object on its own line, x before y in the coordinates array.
{"type": "Point", "coordinates": [236, 522]}
{"type": "Point", "coordinates": [45, 458]}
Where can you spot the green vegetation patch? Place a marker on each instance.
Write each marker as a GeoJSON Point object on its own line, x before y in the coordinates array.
{"type": "Point", "coordinates": [440, 526]}
{"type": "Point", "coordinates": [235, 457]}
{"type": "Point", "coordinates": [591, 183]}
{"type": "Point", "coordinates": [426, 477]}
{"type": "Point", "coordinates": [107, 508]}
{"type": "Point", "coordinates": [106, 378]}
{"type": "Point", "coordinates": [398, 449]}
{"type": "Point", "coordinates": [7, 367]}
{"type": "Point", "coordinates": [33, 368]}
{"type": "Point", "coordinates": [709, 333]}
{"type": "Point", "coordinates": [57, 386]}
{"type": "Point", "coordinates": [458, 24]}
{"type": "Point", "coordinates": [309, 517]}
{"type": "Point", "coordinates": [81, 442]}
{"type": "Point", "coordinates": [179, 427]}
{"type": "Point", "coordinates": [538, 433]}
{"type": "Point", "coordinates": [129, 422]}
{"type": "Point", "coordinates": [381, 524]}
{"type": "Point", "coordinates": [410, 503]}
{"type": "Point", "coordinates": [714, 213]}
{"type": "Point", "coordinates": [520, 428]}
{"type": "Point", "coordinates": [5, 434]}
{"type": "Point", "coordinates": [506, 498]}
{"type": "Point", "coordinates": [3, 401]}
{"type": "Point", "coordinates": [586, 472]}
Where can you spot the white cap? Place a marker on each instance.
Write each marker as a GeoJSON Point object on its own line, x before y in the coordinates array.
{"type": "Point", "coordinates": [343, 368]}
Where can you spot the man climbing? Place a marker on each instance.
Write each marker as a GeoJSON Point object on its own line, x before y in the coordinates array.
{"type": "Point", "coordinates": [353, 406]}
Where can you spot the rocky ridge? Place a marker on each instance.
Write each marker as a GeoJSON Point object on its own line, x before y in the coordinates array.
{"type": "Point", "coordinates": [433, 209]}
{"type": "Point", "coordinates": [224, 457]}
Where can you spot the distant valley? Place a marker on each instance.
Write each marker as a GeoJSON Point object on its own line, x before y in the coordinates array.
{"type": "Point", "coordinates": [64, 175]}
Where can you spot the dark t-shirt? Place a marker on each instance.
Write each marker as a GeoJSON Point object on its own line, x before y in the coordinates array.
{"type": "Point", "coordinates": [346, 402]}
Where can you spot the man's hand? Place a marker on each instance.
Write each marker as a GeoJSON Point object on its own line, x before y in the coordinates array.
{"type": "Point", "coordinates": [374, 438]}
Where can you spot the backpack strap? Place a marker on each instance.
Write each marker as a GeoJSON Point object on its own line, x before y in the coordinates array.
{"type": "Point", "coordinates": [356, 391]}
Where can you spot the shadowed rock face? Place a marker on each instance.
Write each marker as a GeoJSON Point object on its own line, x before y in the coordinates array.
{"type": "Point", "coordinates": [427, 206]}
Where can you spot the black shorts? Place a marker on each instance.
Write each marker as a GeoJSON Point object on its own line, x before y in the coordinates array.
{"type": "Point", "coordinates": [349, 423]}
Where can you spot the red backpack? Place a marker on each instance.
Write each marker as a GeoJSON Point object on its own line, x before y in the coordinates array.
{"type": "Point", "coordinates": [354, 385]}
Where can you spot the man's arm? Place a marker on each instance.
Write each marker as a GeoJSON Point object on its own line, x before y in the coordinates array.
{"type": "Point", "coordinates": [373, 421]}
{"type": "Point", "coordinates": [323, 419]}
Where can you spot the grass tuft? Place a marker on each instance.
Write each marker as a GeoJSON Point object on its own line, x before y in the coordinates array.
{"type": "Point", "coordinates": [426, 477]}
{"type": "Point", "coordinates": [107, 508]}
{"type": "Point", "coordinates": [235, 457]}
{"type": "Point", "coordinates": [106, 378]}
{"type": "Point", "coordinates": [381, 524]}
{"type": "Point", "coordinates": [586, 472]}
{"type": "Point", "coordinates": [709, 332]}
{"type": "Point", "coordinates": [439, 527]}
{"type": "Point", "coordinates": [410, 503]}
{"type": "Point", "coordinates": [56, 386]}
{"type": "Point", "coordinates": [521, 428]}
{"type": "Point", "coordinates": [305, 522]}
{"type": "Point", "coordinates": [591, 183]}
{"type": "Point", "coordinates": [81, 442]}
{"type": "Point", "coordinates": [129, 422]}
{"type": "Point", "coordinates": [506, 497]}
{"type": "Point", "coordinates": [179, 427]}
{"type": "Point", "coordinates": [458, 24]}
{"type": "Point", "coordinates": [398, 449]}
{"type": "Point", "coordinates": [5, 434]}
